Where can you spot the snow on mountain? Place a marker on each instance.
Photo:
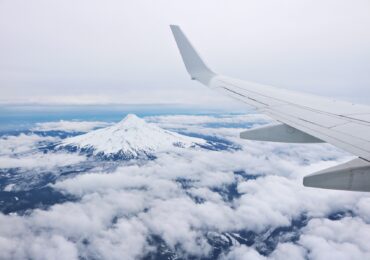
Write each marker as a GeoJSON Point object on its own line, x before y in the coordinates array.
{"type": "Point", "coordinates": [130, 138]}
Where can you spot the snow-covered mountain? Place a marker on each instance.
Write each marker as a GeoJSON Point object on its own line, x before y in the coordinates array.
{"type": "Point", "coordinates": [130, 138]}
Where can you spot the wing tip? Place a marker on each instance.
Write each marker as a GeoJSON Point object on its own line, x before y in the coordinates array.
{"type": "Point", "coordinates": [193, 62]}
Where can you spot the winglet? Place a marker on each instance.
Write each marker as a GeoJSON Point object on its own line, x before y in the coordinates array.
{"type": "Point", "coordinates": [194, 64]}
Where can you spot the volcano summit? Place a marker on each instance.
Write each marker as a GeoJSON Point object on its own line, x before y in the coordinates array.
{"type": "Point", "coordinates": [128, 139]}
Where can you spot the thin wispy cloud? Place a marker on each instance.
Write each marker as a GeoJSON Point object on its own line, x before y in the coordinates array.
{"type": "Point", "coordinates": [69, 126]}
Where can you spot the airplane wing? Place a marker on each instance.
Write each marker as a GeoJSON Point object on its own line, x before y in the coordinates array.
{"type": "Point", "coordinates": [303, 118]}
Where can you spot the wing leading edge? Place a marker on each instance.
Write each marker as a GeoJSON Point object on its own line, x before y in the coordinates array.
{"type": "Point", "coordinates": [305, 119]}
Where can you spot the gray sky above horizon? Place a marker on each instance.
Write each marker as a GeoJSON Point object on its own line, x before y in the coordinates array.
{"type": "Point", "coordinates": [95, 52]}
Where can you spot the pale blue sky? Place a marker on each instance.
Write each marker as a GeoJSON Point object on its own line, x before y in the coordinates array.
{"type": "Point", "coordinates": [90, 51]}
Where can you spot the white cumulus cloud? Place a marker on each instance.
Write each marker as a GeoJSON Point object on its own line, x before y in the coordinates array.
{"type": "Point", "coordinates": [184, 195]}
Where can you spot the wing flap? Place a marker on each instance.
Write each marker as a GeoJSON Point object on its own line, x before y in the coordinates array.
{"type": "Point", "coordinates": [278, 133]}
{"type": "Point", "coordinates": [353, 176]}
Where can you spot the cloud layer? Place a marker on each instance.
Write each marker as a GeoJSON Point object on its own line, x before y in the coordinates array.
{"type": "Point", "coordinates": [123, 52]}
{"type": "Point", "coordinates": [185, 197]}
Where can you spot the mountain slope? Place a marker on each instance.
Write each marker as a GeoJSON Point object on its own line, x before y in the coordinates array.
{"type": "Point", "coordinates": [130, 138]}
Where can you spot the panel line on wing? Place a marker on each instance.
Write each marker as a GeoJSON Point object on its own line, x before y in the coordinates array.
{"type": "Point", "coordinates": [284, 101]}
{"type": "Point", "coordinates": [245, 96]}
{"type": "Point", "coordinates": [357, 150]}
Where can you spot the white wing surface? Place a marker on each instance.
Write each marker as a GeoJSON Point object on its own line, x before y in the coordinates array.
{"type": "Point", "coordinates": [304, 118]}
